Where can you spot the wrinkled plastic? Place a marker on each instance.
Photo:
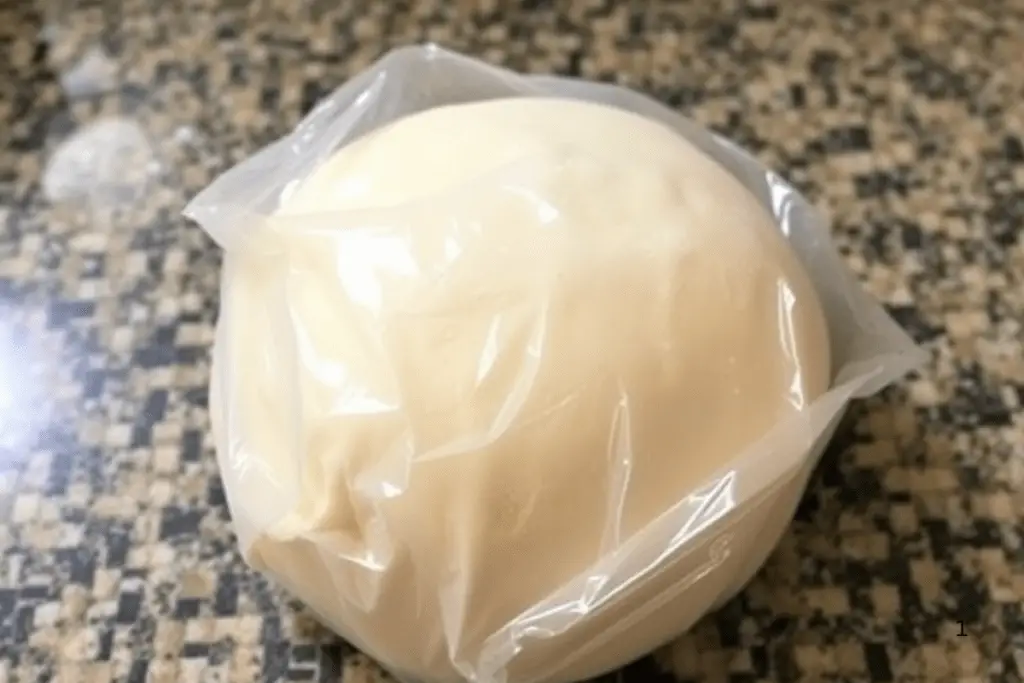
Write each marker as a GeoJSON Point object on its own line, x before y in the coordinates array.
{"type": "Point", "coordinates": [646, 584]}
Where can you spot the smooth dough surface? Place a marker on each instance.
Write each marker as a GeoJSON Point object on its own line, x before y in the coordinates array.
{"type": "Point", "coordinates": [479, 348]}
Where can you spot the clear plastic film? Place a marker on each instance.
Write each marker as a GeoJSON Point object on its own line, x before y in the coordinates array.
{"type": "Point", "coordinates": [516, 391]}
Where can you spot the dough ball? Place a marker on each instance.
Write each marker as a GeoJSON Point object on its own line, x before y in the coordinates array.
{"type": "Point", "coordinates": [481, 347]}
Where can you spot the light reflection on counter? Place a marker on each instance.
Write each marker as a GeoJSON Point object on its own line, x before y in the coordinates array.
{"type": "Point", "coordinates": [25, 402]}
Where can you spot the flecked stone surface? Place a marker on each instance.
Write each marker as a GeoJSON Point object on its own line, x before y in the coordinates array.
{"type": "Point", "coordinates": [117, 561]}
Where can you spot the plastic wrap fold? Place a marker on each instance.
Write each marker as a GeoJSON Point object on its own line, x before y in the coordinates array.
{"type": "Point", "coordinates": [413, 508]}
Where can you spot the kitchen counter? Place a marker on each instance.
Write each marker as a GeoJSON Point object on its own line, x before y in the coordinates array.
{"type": "Point", "coordinates": [117, 559]}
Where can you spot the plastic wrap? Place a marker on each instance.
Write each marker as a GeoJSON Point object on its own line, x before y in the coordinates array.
{"type": "Point", "coordinates": [422, 510]}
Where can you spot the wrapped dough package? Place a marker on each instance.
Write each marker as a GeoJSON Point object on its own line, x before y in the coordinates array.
{"type": "Point", "coordinates": [516, 377]}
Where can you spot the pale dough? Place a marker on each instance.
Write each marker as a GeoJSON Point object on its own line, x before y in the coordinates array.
{"type": "Point", "coordinates": [478, 349]}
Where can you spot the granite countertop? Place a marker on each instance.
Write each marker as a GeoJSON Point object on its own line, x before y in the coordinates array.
{"type": "Point", "coordinates": [117, 560]}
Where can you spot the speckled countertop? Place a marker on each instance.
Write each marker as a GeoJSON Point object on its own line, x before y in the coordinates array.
{"type": "Point", "coordinates": [117, 560]}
